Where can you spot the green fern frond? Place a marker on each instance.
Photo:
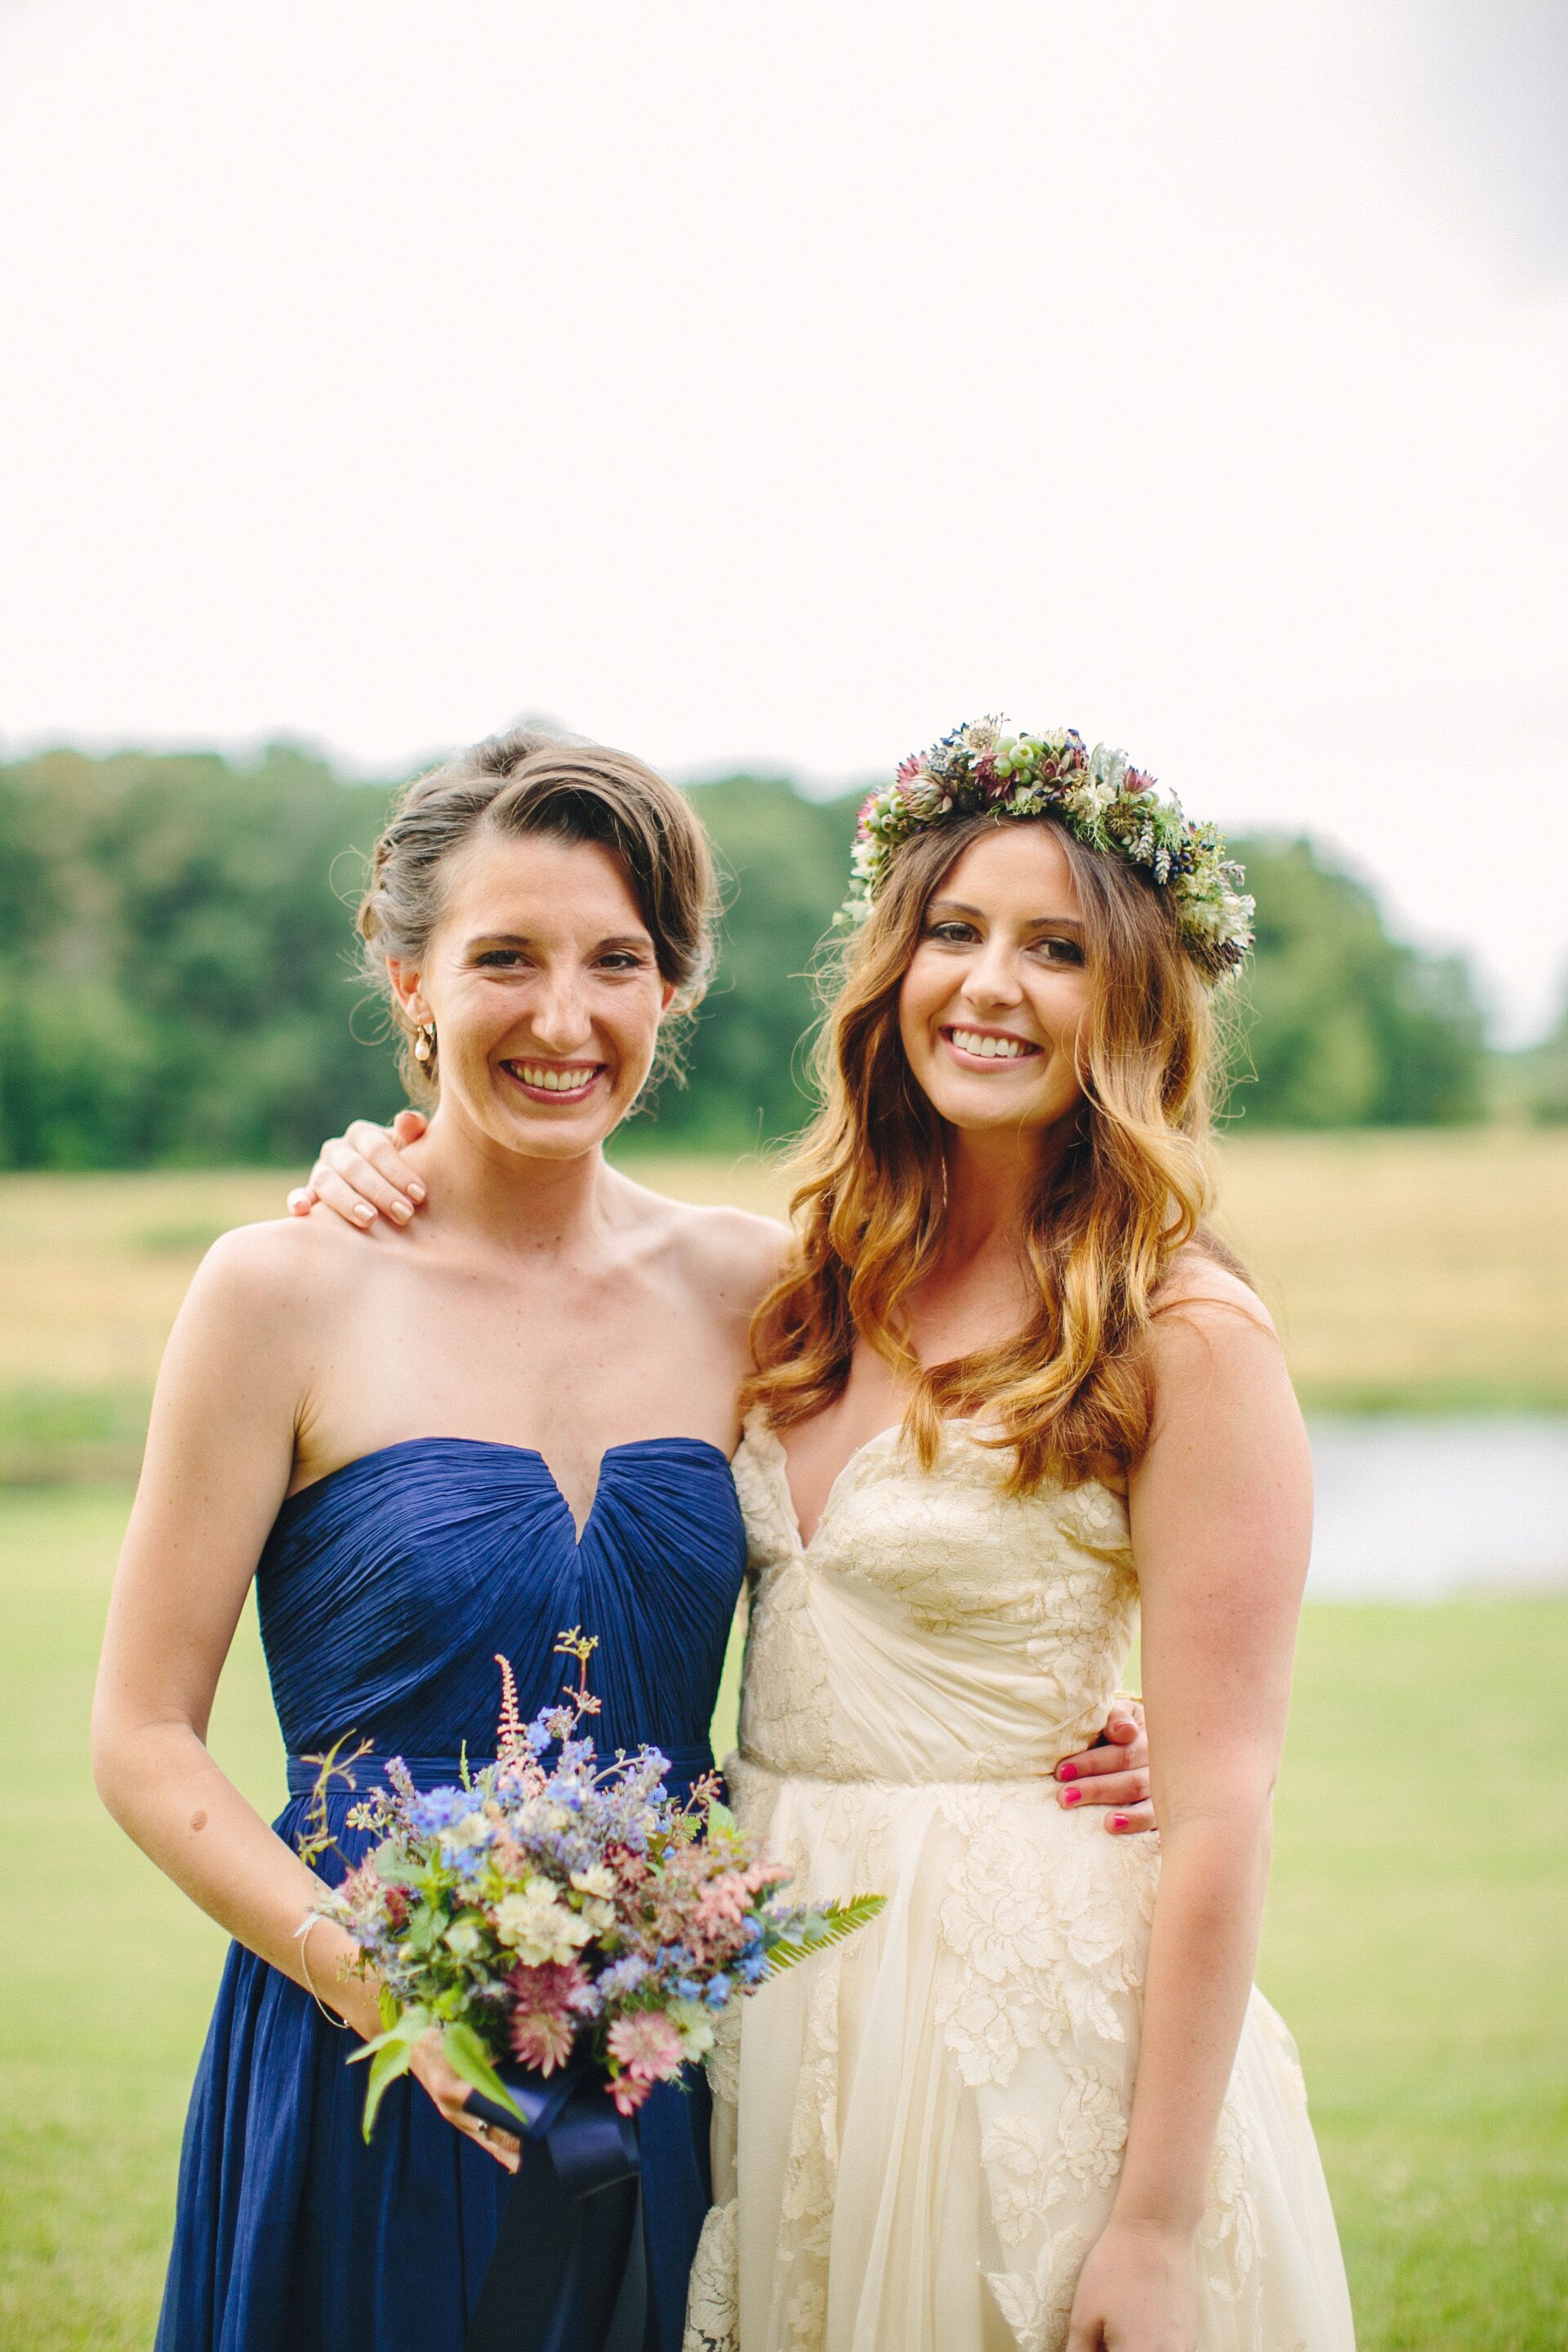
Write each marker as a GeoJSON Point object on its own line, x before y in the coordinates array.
{"type": "Point", "coordinates": [830, 1925]}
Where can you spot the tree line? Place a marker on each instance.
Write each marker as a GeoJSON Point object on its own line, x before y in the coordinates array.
{"type": "Point", "coordinates": [177, 981]}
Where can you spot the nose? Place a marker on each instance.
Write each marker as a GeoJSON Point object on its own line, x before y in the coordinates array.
{"type": "Point", "coordinates": [559, 1015]}
{"type": "Point", "coordinates": [992, 980]}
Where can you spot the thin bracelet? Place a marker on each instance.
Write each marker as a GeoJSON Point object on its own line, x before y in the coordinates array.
{"type": "Point", "coordinates": [313, 1920]}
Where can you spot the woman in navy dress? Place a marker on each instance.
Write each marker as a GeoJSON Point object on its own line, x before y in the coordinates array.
{"type": "Point", "coordinates": [430, 1443]}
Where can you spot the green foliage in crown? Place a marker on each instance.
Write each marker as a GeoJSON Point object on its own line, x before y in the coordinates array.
{"type": "Point", "coordinates": [1104, 800]}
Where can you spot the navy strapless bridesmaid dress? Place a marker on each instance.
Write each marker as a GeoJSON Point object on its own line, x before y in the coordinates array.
{"type": "Point", "coordinates": [386, 1592]}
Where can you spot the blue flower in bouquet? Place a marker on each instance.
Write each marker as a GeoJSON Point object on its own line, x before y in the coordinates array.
{"type": "Point", "coordinates": [547, 1906]}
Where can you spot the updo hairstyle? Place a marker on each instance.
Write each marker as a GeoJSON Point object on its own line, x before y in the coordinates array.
{"type": "Point", "coordinates": [565, 789]}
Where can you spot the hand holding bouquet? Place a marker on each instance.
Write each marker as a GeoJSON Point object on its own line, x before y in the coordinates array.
{"type": "Point", "coordinates": [537, 1915]}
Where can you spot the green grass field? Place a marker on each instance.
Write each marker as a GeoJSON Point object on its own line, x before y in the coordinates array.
{"type": "Point", "coordinates": [1415, 1942]}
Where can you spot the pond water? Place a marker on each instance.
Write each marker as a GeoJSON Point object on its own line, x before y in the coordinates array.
{"type": "Point", "coordinates": [1416, 1509]}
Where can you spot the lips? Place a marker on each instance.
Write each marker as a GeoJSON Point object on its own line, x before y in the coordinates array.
{"type": "Point", "coordinates": [554, 1082]}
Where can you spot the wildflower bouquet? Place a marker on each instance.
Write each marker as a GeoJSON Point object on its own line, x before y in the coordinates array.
{"type": "Point", "coordinates": [540, 1916]}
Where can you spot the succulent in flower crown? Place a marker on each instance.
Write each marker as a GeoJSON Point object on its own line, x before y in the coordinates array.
{"type": "Point", "coordinates": [1104, 800]}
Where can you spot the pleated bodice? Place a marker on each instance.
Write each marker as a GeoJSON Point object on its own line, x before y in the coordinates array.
{"type": "Point", "coordinates": [386, 1590]}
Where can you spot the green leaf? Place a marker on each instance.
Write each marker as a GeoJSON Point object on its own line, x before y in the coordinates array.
{"type": "Point", "coordinates": [467, 2056]}
{"type": "Point", "coordinates": [830, 1925]}
{"type": "Point", "coordinates": [392, 2059]}
{"type": "Point", "coordinates": [394, 1871]}
{"type": "Point", "coordinates": [720, 1818]}
{"type": "Point", "coordinates": [406, 2026]}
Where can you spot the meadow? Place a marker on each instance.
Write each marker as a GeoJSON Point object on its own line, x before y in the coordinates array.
{"type": "Point", "coordinates": [1424, 1270]}
{"type": "Point", "coordinates": [1420, 1901]}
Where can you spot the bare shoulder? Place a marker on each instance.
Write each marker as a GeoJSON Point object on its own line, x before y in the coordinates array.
{"type": "Point", "coordinates": [1213, 1348]}
{"type": "Point", "coordinates": [732, 1254]}
{"type": "Point", "coordinates": [1203, 1294]}
{"type": "Point", "coordinates": [735, 1243]}
{"type": "Point", "coordinates": [281, 1274]}
{"type": "Point", "coordinates": [738, 1253]}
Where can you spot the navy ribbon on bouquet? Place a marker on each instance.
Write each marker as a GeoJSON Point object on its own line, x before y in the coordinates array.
{"type": "Point", "coordinates": [569, 2273]}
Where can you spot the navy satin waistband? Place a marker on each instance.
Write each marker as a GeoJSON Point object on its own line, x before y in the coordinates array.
{"type": "Point", "coordinates": [686, 1765]}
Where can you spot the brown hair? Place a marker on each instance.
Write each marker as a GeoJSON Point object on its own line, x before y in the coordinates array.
{"type": "Point", "coordinates": [1070, 1393]}
{"type": "Point", "coordinates": [563, 787]}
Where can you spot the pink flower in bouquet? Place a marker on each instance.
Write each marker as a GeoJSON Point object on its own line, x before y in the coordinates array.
{"type": "Point", "coordinates": [723, 1901]}
{"type": "Point", "coordinates": [649, 2050]}
{"type": "Point", "coordinates": [543, 2025]}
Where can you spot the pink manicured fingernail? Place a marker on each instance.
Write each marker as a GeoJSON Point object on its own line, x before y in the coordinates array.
{"type": "Point", "coordinates": [1118, 1821]}
{"type": "Point", "coordinates": [1072, 1796]}
{"type": "Point", "coordinates": [1066, 1771]}
{"type": "Point", "coordinates": [415, 1190]}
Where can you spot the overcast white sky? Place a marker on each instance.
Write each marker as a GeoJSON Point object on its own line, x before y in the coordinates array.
{"type": "Point", "coordinates": [784, 385]}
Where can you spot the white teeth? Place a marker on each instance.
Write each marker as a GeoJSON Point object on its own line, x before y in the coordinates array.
{"type": "Point", "coordinates": [552, 1081]}
{"type": "Point", "coordinates": [991, 1049]}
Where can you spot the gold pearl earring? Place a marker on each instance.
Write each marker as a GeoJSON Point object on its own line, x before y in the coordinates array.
{"type": "Point", "coordinates": [424, 1041]}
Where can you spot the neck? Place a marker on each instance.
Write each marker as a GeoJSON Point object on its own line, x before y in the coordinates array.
{"type": "Point", "coordinates": [516, 1201]}
{"type": "Point", "coordinates": [994, 1177]}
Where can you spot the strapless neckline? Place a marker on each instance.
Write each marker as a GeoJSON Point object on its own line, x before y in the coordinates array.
{"type": "Point", "coordinates": [756, 1426]}
{"type": "Point", "coordinates": [379, 1455]}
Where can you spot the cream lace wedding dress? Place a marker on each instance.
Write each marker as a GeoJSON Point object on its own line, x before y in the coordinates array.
{"type": "Point", "coordinates": [918, 2137]}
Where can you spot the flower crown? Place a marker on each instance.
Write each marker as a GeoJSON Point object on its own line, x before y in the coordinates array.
{"type": "Point", "coordinates": [1104, 802]}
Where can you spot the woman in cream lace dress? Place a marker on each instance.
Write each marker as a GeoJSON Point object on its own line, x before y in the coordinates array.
{"type": "Point", "coordinates": [1008, 1391]}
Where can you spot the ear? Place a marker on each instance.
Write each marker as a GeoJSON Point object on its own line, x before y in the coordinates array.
{"type": "Point", "coordinates": [404, 979]}
{"type": "Point", "coordinates": [667, 997]}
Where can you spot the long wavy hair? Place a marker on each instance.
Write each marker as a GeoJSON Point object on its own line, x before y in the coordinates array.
{"type": "Point", "coordinates": [1070, 1393]}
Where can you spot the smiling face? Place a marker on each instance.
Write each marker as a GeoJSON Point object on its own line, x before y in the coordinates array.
{"type": "Point", "coordinates": [991, 1005]}
{"type": "Point", "coordinates": [543, 985]}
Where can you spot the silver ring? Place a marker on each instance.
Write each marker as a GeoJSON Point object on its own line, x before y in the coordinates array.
{"type": "Point", "coordinates": [482, 2129]}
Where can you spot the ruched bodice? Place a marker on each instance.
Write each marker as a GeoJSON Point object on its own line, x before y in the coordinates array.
{"type": "Point", "coordinates": [386, 1592]}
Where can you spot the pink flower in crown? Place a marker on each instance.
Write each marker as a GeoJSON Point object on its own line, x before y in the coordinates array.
{"type": "Point", "coordinates": [1135, 781]}
{"type": "Point", "coordinates": [647, 2045]}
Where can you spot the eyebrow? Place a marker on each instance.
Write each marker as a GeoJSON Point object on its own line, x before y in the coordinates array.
{"type": "Point", "coordinates": [523, 940]}
{"type": "Point", "coordinates": [1034, 923]}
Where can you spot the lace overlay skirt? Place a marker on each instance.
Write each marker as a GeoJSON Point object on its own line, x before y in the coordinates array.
{"type": "Point", "coordinates": [917, 2135]}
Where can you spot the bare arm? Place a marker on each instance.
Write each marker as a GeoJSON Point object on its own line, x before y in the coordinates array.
{"type": "Point", "coordinates": [220, 1452]}
{"type": "Point", "coordinates": [1221, 1512]}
